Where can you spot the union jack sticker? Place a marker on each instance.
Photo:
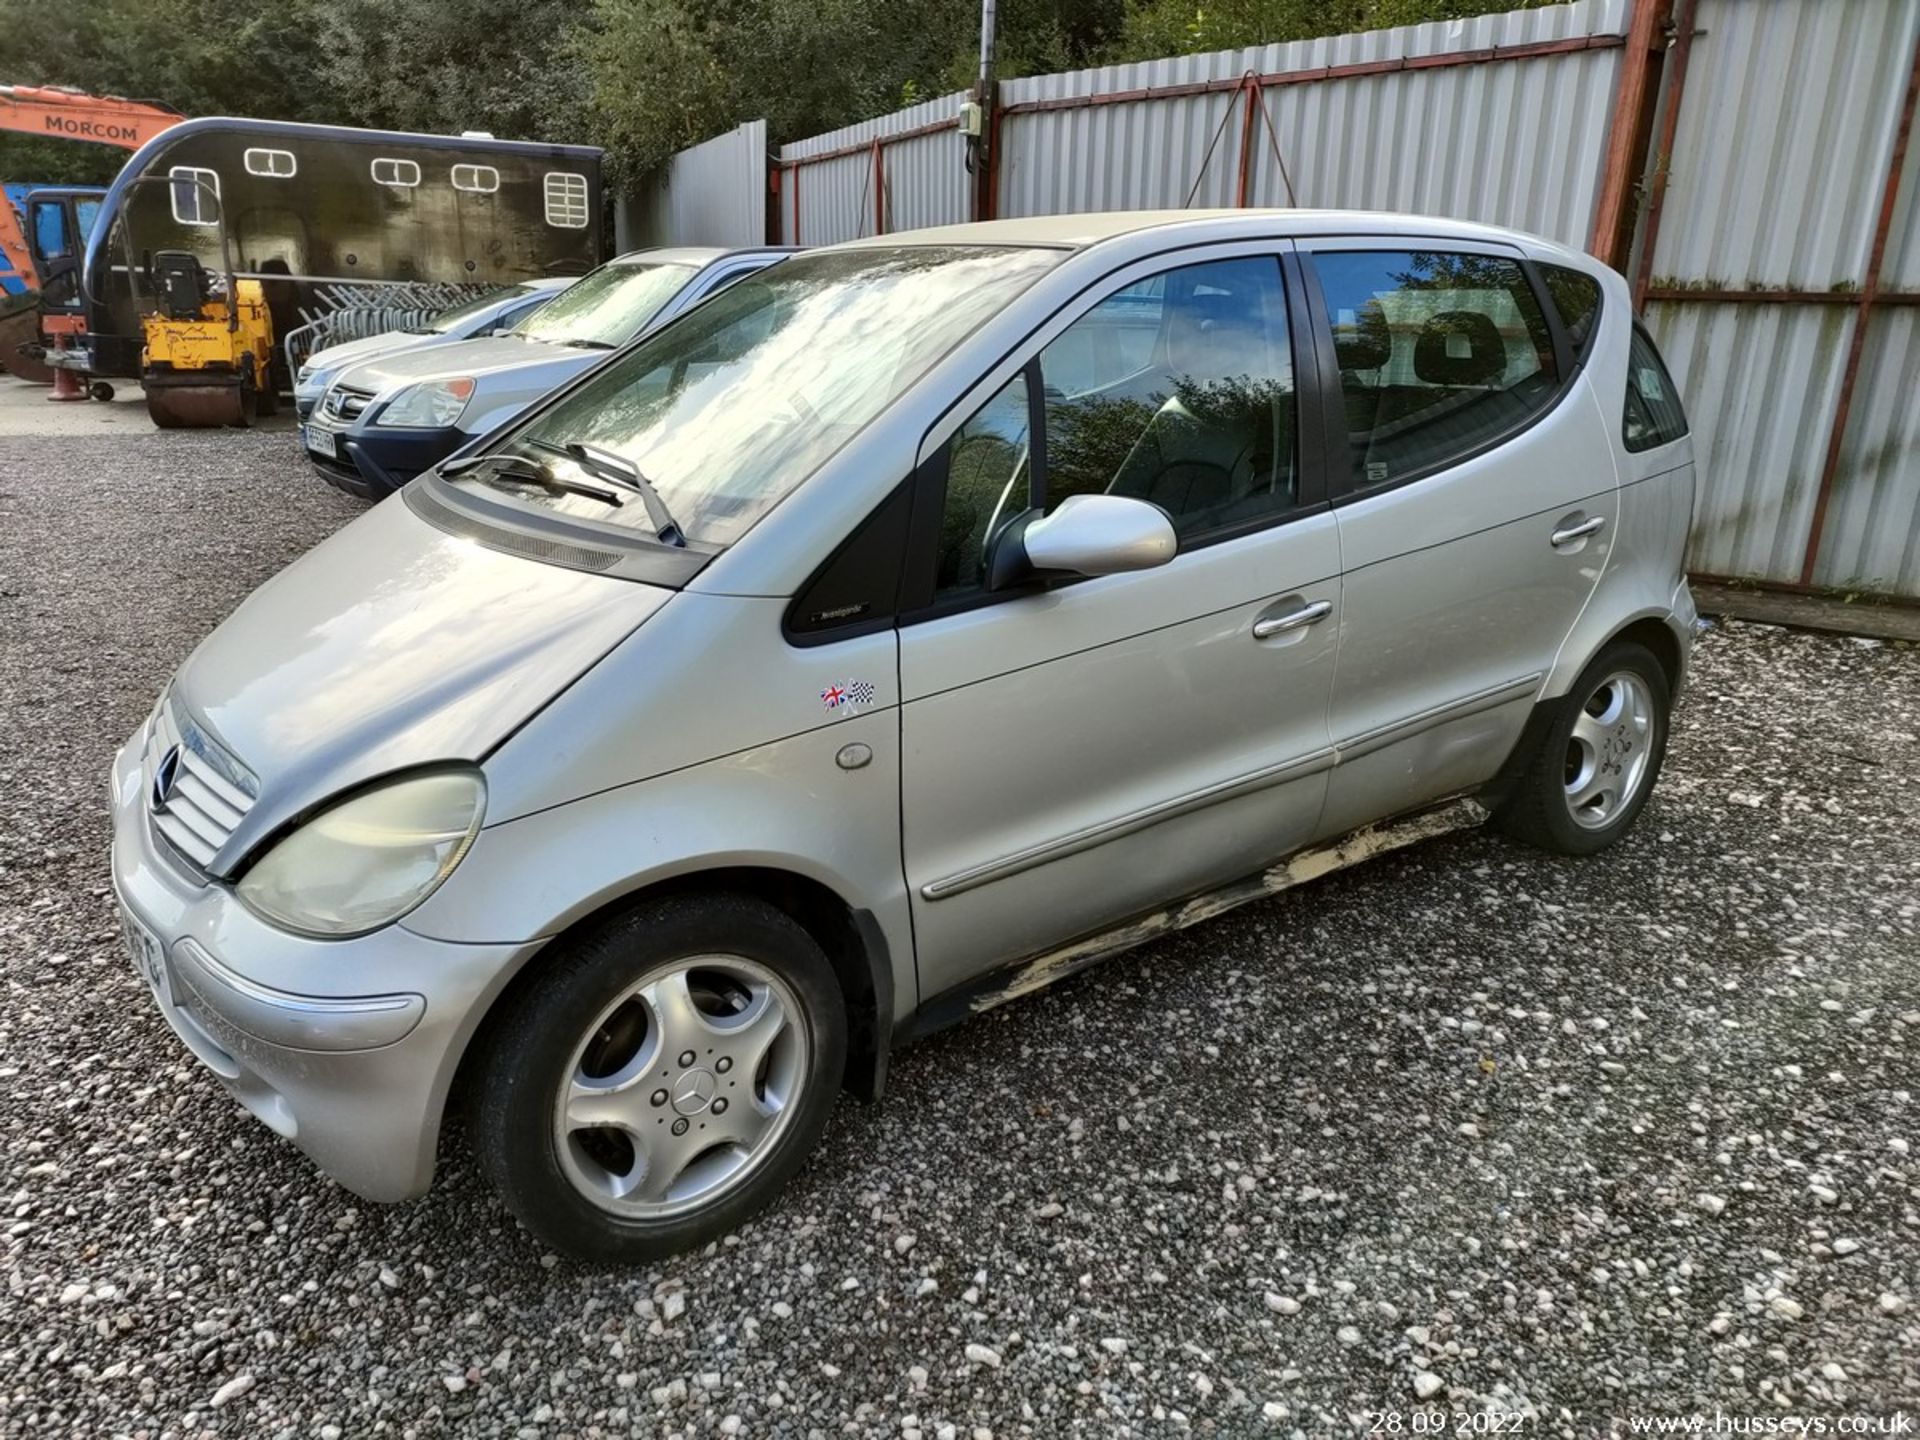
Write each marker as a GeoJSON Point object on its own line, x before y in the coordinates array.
{"type": "Point", "coordinates": [849, 695]}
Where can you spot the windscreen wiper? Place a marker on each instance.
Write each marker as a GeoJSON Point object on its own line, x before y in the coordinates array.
{"type": "Point", "coordinates": [590, 344]}
{"type": "Point", "coordinates": [620, 471]}
{"type": "Point", "coordinates": [518, 470]}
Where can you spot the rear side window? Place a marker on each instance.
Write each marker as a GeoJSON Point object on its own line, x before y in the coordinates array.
{"type": "Point", "coordinates": [1577, 297]}
{"type": "Point", "coordinates": [1439, 354]}
{"type": "Point", "coordinates": [1654, 416]}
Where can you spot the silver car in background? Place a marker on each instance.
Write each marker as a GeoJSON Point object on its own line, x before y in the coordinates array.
{"type": "Point", "coordinates": [496, 310]}
{"type": "Point", "coordinates": [917, 622]}
{"type": "Point", "coordinates": [382, 422]}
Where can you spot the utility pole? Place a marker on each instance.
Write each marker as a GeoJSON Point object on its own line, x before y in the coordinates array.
{"type": "Point", "coordinates": [980, 130]}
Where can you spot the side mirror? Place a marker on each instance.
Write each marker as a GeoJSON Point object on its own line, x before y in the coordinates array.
{"type": "Point", "coordinates": [1086, 535]}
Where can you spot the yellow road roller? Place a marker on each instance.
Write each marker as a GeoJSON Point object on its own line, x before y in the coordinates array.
{"type": "Point", "coordinates": [208, 346]}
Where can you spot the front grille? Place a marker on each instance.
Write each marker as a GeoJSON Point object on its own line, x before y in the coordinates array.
{"type": "Point", "coordinates": [209, 794]}
{"type": "Point", "coordinates": [345, 404]}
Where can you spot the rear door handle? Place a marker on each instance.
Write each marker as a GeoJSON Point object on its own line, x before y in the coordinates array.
{"type": "Point", "coordinates": [1578, 532]}
{"type": "Point", "coordinates": [1267, 626]}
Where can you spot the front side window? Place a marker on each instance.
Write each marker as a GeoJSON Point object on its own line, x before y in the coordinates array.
{"type": "Point", "coordinates": [1439, 354]}
{"type": "Point", "coordinates": [566, 196]}
{"type": "Point", "coordinates": [606, 309]}
{"type": "Point", "coordinates": [50, 230]}
{"type": "Point", "coordinates": [476, 179]}
{"type": "Point", "coordinates": [1654, 416]}
{"type": "Point", "coordinates": [987, 485]}
{"type": "Point", "coordinates": [741, 399]}
{"type": "Point", "coordinates": [1177, 390]}
{"type": "Point", "coordinates": [196, 195]}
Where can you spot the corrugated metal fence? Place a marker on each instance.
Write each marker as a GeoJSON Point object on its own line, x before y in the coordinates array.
{"type": "Point", "coordinates": [904, 171]}
{"type": "Point", "coordinates": [1745, 161]}
{"type": "Point", "coordinates": [1781, 278]}
{"type": "Point", "coordinates": [1459, 118]}
{"type": "Point", "coordinates": [712, 194]}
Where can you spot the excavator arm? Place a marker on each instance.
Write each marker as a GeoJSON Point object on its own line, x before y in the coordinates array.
{"type": "Point", "coordinates": [55, 111]}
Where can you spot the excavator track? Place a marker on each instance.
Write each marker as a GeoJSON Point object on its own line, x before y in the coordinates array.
{"type": "Point", "coordinates": [22, 327]}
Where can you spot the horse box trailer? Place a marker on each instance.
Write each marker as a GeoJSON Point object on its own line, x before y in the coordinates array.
{"type": "Point", "coordinates": [308, 206]}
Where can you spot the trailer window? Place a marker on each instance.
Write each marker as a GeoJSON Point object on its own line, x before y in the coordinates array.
{"type": "Point", "coordinates": [404, 173]}
{"type": "Point", "coordinates": [566, 200]}
{"type": "Point", "coordinates": [192, 204]}
{"type": "Point", "coordinates": [476, 179]}
{"type": "Point", "coordinates": [279, 164]}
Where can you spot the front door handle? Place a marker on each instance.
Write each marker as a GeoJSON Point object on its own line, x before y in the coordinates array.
{"type": "Point", "coordinates": [1578, 532]}
{"type": "Point", "coordinates": [1268, 626]}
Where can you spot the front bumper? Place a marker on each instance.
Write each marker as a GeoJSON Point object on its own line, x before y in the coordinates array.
{"type": "Point", "coordinates": [373, 461]}
{"type": "Point", "coordinates": [345, 1047]}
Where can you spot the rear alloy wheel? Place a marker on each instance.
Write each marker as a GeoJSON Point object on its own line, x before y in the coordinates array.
{"type": "Point", "coordinates": [662, 1078]}
{"type": "Point", "coordinates": [1597, 761]}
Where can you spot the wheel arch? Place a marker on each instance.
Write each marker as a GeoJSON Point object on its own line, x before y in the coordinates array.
{"type": "Point", "coordinates": [853, 940]}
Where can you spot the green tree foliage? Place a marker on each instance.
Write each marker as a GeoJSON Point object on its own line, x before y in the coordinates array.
{"type": "Point", "coordinates": [642, 77]}
{"type": "Point", "coordinates": [1188, 27]}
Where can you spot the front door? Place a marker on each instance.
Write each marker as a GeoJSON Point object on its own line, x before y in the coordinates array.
{"type": "Point", "coordinates": [1077, 754]}
{"type": "Point", "coordinates": [1476, 506]}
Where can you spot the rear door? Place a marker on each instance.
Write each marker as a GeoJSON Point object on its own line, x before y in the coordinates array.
{"type": "Point", "coordinates": [1476, 503]}
{"type": "Point", "coordinates": [1076, 754]}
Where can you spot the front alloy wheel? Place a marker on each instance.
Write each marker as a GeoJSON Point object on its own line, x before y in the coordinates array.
{"type": "Point", "coordinates": [661, 1076]}
{"type": "Point", "coordinates": [683, 1085]}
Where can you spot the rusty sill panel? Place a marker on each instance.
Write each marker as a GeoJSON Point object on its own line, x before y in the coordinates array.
{"type": "Point", "coordinates": [1027, 976]}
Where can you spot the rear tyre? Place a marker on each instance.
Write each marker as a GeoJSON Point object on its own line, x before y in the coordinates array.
{"type": "Point", "coordinates": [1596, 763]}
{"type": "Point", "coordinates": [662, 1079]}
{"type": "Point", "coordinates": [100, 390]}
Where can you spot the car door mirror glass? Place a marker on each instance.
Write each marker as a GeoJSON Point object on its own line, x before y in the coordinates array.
{"type": "Point", "coordinates": [1087, 535]}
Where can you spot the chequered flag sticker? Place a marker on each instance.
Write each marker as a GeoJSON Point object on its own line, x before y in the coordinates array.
{"type": "Point", "coordinates": [849, 694]}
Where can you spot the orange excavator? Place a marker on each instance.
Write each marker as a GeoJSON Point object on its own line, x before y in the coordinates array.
{"type": "Point", "coordinates": [57, 112]}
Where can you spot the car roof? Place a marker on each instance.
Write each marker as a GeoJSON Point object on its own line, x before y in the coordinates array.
{"type": "Point", "coordinates": [693, 254]}
{"type": "Point", "coordinates": [1080, 231]}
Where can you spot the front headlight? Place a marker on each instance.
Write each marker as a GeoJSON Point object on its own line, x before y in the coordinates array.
{"type": "Point", "coordinates": [436, 402]}
{"type": "Point", "coordinates": [368, 860]}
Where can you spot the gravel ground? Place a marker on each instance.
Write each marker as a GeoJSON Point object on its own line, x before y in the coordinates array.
{"type": "Point", "coordinates": [1468, 1128]}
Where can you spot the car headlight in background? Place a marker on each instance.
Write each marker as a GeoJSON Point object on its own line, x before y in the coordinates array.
{"type": "Point", "coordinates": [367, 860]}
{"type": "Point", "coordinates": [436, 402]}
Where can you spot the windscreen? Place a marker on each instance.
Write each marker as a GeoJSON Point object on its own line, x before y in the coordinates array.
{"type": "Point", "coordinates": [729, 408]}
{"type": "Point", "coordinates": [447, 321]}
{"type": "Point", "coordinates": [607, 308]}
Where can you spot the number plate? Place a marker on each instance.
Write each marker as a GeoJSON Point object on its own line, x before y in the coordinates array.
{"type": "Point", "coordinates": [320, 442]}
{"type": "Point", "coordinates": [149, 956]}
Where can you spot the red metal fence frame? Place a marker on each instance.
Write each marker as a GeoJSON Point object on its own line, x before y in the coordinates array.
{"type": "Point", "coordinates": [1658, 47]}
{"type": "Point", "coordinates": [1863, 301]}
{"type": "Point", "coordinates": [1252, 84]}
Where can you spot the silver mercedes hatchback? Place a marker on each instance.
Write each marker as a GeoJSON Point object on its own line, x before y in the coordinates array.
{"type": "Point", "coordinates": [910, 625]}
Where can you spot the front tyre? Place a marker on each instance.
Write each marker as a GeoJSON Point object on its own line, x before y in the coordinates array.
{"type": "Point", "coordinates": [662, 1079]}
{"type": "Point", "coordinates": [1597, 762]}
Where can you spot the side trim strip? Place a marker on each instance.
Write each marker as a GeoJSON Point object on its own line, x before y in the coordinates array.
{"type": "Point", "coordinates": [1340, 753]}
{"type": "Point", "coordinates": [1138, 820]}
{"type": "Point", "coordinates": [1490, 698]}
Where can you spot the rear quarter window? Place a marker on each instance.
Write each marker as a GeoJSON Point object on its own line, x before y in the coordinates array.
{"type": "Point", "coordinates": [1653, 413]}
{"type": "Point", "coordinates": [1577, 297]}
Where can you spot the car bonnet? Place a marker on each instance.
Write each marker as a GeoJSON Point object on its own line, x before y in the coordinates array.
{"type": "Point", "coordinates": [389, 646]}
